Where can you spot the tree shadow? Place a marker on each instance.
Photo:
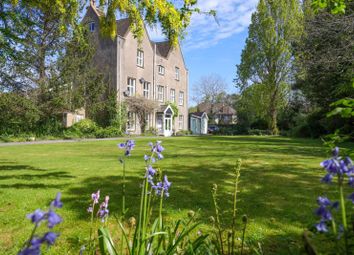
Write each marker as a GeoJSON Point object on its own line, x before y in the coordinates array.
{"type": "Point", "coordinates": [59, 174]}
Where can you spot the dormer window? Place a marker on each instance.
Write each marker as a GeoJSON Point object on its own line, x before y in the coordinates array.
{"type": "Point", "coordinates": [92, 26]}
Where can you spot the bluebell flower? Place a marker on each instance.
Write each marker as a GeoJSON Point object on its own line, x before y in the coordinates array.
{"type": "Point", "coordinates": [146, 157]}
{"type": "Point", "coordinates": [337, 166]}
{"type": "Point", "coordinates": [95, 197]}
{"type": "Point", "coordinates": [56, 202]}
{"type": "Point", "coordinates": [322, 227]}
{"type": "Point", "coordinates": [324, 213]}
{"type": "Point", "coordinates": [53, 219]}
{"type": "Point", "coordinates": [103, 211]}
{"type": "Point", "coordinates": [50, 238]}
{"type": "Point", "coordinates": [351, 181]}
{"type": "Point", "coordinates": [162, 187]}
{"type": "Point", "coordinates": [324, 201]}
{"type": "Point", "coordinates": [32, 250]}
{"type": "Point", "coordinates": [151, 171]}
{"type": "Point", "coordinates": [37, 216]}
{"type": "Point", "coordinates": [128, 146]}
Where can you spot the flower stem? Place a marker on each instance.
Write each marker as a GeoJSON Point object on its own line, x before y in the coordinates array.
{"type": "Point", "coordinates": [237, 175]}
{"type": "Point", "coordinates": [344, 216]}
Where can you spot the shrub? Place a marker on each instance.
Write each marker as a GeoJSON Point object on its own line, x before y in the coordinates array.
{"type": "Point", "coordinates": [258, 132]}
{"type": "Point", "coordinates": [18, 114]}
{"type": "Point", "coordinates": [108, 132]}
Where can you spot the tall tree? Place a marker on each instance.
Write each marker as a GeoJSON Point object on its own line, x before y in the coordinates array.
{"type": "Point", "coordinates": [267, 57]}
{"type": "Point", "coordinates": [210, 90]}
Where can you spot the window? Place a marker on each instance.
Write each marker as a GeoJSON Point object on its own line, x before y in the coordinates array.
{"type": "Point", "coordinates": [160, 93]}
{"type": "Point", "coordinates": [177, 73]}
{"type": "Point", "coordinates": [131, 86]}
{"type": "Point", "coordinates": [92, 26]}
{"type": "Point", "coordinates": [131, 121]}
{"type": "Point", "coordinates": [181, 98]}
{"type": "Point", "coordinates": [146, 91]}
{"type": "Point", "coordinates": [180, 122]}
{"type": "Point", "coordinates": [147, 119]}
{"type": "Point", "coordinates": [172, 95]}
{"type": "Point", "coordinates": [161, 70]}
{"type": "Point", "coordinates": [140, 58]}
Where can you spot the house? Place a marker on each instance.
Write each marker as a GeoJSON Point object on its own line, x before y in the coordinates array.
{"type": "Point", "coordinates": [155, 70]}
{"type": "Point", "coordinates": [198, 123]}
{"type": "Point", "coordinates": [219, 113]}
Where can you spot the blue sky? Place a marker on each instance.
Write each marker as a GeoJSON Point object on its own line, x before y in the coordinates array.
{"type": "Point", "coordinates": [211, 48]}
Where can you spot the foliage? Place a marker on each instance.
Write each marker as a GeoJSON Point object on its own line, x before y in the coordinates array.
{"type": "Point", "coordinates": [174, 109]}
{"type": "Point", "coordinates": [183, 132]}
{"type": "Point", "coordinates": [267, 57]}
{"type": "Point", "coordinates": [334, 6]}
{"type": "Point", "coordinates": [210, 89]}
{"type": "Point", "coordinates": [173, 17]}
{"type": "Point", "coordinates": [325, 58]}
{"type": "Point", "coordinates": [18, 114]}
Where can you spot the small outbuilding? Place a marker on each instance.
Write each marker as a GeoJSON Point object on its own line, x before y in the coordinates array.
{"type": "Point", "coordinates": [198, 123]}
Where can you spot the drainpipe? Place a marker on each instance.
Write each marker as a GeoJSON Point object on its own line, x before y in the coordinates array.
{"type": "Point", "coordinates": [154, 85]}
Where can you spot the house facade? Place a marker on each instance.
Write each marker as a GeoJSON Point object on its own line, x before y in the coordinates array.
{"type": "Point", "coordinates": [219, 113]}
{"type": "Point", "coordinates": [154, 70]}
{"type": "Point", "coordinates": [198, 123]}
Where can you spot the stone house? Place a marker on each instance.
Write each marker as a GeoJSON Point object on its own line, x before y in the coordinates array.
{"type": "Point", "coordinates": [219, 113]}
{"type": "Point", "coordinates": [154, 70]}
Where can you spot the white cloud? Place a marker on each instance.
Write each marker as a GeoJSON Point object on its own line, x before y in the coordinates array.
{"type": "Point", "coordinates": [233, 16]}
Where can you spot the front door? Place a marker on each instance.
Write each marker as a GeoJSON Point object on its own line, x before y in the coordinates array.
{"type": "Point", "coordinates": [168, 125]}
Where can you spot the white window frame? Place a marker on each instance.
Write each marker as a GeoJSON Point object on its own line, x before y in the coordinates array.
{"type": "Point", "coordinates": [131, 121]}
{"type": "Point", "coordinates": [131, 86]}
{"type": "Point", "coordinates": [161, 70]}
{"type": "Point", "coordinates": [146, 89]}
{"type": "Point", "coordinates": [181, 98]}
{"type": "Point", "coordinates": [160, 93]}
{"type": "Point", "coordinates": [180, 122]}
{"type": "Point", "coordinates": [92, 26]}
{"type": "Point", "coordinates": [140, 58]}
{"type": "Point", "coordinates": [177, 73]}
{"type": "Point", "coordinates": [173, 95]}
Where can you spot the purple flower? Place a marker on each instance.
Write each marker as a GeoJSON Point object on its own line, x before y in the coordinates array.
{"type": "Point", "coordinates": [324, 213]}
{"type": "Point", "coordinates": [324, 201]}
{"type": "Point", "coordinates": [321, 227]}
{"type": "Point", "coordinates": [103, 211]}
{"type": "Point", "coordinates": [33, 250]}
{"type": "Point", "coordinates": [95, 197]}
{"type": "Point", "coordinates": [151, 171]}
{"type": "Point", "coordinates": [50, 238]}
{"type": "Point", "coordinates": [162, 187]}
{"type": "Point", "coordinates": [53, 219]}
{"type": "Point", "coordinates": [90, 209]}
{"type": "Point", "coordinates": [327, 178]}
{"type": "Point", "coordinates": [335, 152]}
{"type": "Point", "coordinates": [146, 157]}
{"type": "Point", "coordinates": [56, 202]}
{"type": "Point", "coordinates": [128, 146]}
{"type": "Point", "coordinates": [37, 216]}
{"type": "Point", "coordinates": [351, 181]}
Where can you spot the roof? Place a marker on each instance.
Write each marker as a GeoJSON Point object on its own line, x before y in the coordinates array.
{"type": "Point", "coordinates": [163, 48]}
{"type": "Point", "coordinates": [198, 114]}
{"type": "Point", "coordinates": [218, 108]}
{"type": "Point", "coordinates": [123, 26]}
{"type": "Point", "coordinates": [165, 109]}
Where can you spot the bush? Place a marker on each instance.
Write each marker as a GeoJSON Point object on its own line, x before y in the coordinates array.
{"type": "Point", "coordinates": [18, 114]}
{"type": "Point", "coordinates": [108, 132]}
{"type": "Point", "coordinates": [259, 132]}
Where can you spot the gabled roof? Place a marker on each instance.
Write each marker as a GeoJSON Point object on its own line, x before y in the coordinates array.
{"type": "Point", "coordinates": [123, 26]}
{"type": "Point", "coordinates": [163, 48]}
{"type": "Point", "coordinates": [218, 108]}
{"type": "Point", "coordinates": [199, 114]}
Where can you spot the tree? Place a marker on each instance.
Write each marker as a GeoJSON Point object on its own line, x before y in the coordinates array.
{"type": "Point", "coordinates": [141, 107]}
{"type": "Point", "coordinates": [325, 58]}
{"type": "Point", "coordinates": [267, 57]}
{"type": "Point", "coordinates": [209, 91]}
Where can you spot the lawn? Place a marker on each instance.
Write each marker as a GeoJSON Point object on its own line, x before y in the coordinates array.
{"type": "Point", "coordinates": [278, 189]}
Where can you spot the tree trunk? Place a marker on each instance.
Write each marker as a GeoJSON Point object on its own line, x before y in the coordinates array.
{"type": "Point", "coordinates": [273, 113]}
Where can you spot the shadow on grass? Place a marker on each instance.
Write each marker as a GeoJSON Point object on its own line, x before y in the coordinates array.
{"type": "Point", "coordinates": [59, 174]}
{"type": "Point", "coordinates": [8, 167]}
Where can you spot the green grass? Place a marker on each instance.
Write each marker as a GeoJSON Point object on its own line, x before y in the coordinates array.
{"type": "Point", "coordinates": [278, 189]}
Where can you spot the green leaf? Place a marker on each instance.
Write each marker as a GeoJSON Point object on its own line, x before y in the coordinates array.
{"type": "Point", "coordinates": [105, 242]}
